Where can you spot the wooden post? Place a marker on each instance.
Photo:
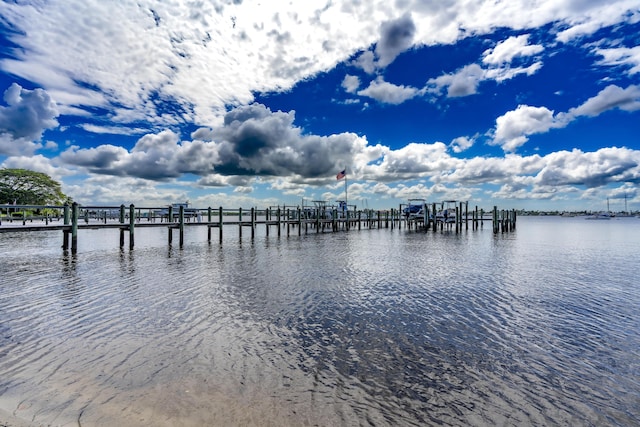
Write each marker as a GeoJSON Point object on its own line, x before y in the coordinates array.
{"type": "Point", "coordinates": [495, 220]}
{"type": "Point", "coordinates": [132, 221]}
{"type": "Point", "coordinates": [503, 220]}
{"type": "Point", "coordinates": [121, 226]}
{"type": "Point", "coordinates": [170, 228]}
{"type": "Point", "coordinates": [74, 228]}
{"type": "Point", "coordinates": [475, 218]}
{"type": "Point", "coordinates": [267, 217]}
{"type": "Point", "coordinates": [181, 224]}
{"type": "Point", "coordinates": [220, 222]}
{"type": "Point", "coordinates": [240, 222]}
{"type": "Point", "coordinates": [209, 224]}
{"type": "Point", "coordinates": [278, 213]}
{"type": "Point", "coordinates": [65, 233]}
{"type": "Point", "coordinates": [425, 216]}
{"type": "Point", "coordinates": [466, 215]}
{"type": "Point", "coordinates": [287, 220]}
{"type": "Point", "coordinates": [253, 223]}
{"type": "Point", "coordinates": [299, 222]}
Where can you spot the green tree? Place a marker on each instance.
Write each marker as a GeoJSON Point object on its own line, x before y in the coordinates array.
{"type": "Point", "coordinates": [25, 187]}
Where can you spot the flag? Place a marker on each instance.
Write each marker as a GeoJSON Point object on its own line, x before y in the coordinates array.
{"type": "Point", "coordinates": [341, 175]}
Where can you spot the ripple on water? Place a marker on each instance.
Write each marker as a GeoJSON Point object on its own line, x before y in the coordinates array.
{"type": "Point", "coordinates": [372, 327]}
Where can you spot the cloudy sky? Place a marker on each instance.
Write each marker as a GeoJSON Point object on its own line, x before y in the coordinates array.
{"type": "Point", "coordinates": [516, 103]}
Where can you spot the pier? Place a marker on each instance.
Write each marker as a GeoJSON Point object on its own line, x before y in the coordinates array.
{"type": "Point", "coordinates": [71, 218]}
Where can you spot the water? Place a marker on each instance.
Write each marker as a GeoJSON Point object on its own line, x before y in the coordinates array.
{"type": "Point", "coordinates": [372, 327]}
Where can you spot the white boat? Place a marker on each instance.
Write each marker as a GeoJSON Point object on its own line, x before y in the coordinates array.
{"type": "Point", "coordinates": [175, 211]}
{"type": "Point", "coordinates": [600, 216]}
{"type": "Point", "coordinates": [415, 209]}
{"type": "Point", "coordinates": [604, 215]}
{"type": "Point", "coordinates": [447, 212]}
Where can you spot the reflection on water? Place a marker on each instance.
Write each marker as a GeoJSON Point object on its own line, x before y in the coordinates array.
{"type": "Point", "coordinates": [376, 327]}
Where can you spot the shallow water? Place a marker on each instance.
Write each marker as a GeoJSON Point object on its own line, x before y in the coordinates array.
{"type": "Point", "coordinates": [372, 327]}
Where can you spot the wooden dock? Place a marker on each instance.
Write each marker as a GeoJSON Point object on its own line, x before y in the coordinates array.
{"type": "Point", "coordinates": [71, 218]}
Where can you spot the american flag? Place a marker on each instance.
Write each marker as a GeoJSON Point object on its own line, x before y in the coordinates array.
{"type": "Point", "coordinates": [341, 174]}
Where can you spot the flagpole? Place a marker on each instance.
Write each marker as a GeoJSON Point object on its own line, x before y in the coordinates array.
{"type": "Point", "coordinates": [345, 189]}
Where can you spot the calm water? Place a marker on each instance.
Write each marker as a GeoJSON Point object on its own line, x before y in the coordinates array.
{"type": "Point", "coordinates": [371, 327]}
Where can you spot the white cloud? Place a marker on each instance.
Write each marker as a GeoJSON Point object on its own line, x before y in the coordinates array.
{"type": "Point", "coordinates": [461, 143]}
{"type": "Point", "coordinates": [29, 112]}
{"type": "Point", "coordinates": [351, 83]}
{"type": "Point", "coordinates": [514, 127]}
{"type": "Point", "coordinates": [621, 56]}
{"type": "Point", "coordinates": [505, 51]}
{"type": "Point", "coordinates": [588, 17]}
{"type": "Point", "coordinates": [609, 98]}
{"type": "Point", "coordinates": [204, 56]}
{"type": "Point", "coordinates": [464, 82]}
{"type": "Point", "coordinates": [591, 169]}
{"type": "Point", "coordinates": [252, 141]}
{"type": "Point", "coordinates": [112, 130]}
{"type": "Point", "coordinates": [27, 115]}
{"type": "Point", "coordinates": [387, 92]}
{"type": "Point", "coordinates": [38, 163]}
{"type": "Point", "coordinates": [500, 74]}
{"type": "Point", "coordinates": [366, 61]}
{"type": "Point", "coordinates": [396, 36]}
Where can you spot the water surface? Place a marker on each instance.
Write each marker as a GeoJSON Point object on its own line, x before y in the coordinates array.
{"type": "Point", "coordinates": [372, 327]}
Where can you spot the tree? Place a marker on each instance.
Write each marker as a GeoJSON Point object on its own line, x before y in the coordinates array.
{"type": "Point", "coordinates": [25, 187]}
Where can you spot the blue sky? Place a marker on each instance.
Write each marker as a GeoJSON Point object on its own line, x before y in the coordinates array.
{"type": "Point", "coordinates": [520, 104]}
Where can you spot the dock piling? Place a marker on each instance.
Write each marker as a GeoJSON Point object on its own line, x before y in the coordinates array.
{"type": "Point", "coordinates": [74, 228]}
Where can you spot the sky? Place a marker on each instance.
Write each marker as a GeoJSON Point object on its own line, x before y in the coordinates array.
{"type": "Point", "coordinates": [518, 104]}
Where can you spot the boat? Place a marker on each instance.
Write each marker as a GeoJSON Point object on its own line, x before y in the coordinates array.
{"type": "Point", "coordinates": [600, 216]}
{"type": "Point", "coordinates": [447, 212]}
{"type": "Point", "coordinates": [415, 209]}
{"type": "Point", "coordinates": [604, 215]}
{"type": "Point", "coordinates": [175, 211]}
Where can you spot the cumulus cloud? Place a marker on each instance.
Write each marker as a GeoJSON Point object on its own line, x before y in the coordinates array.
{"type": "Point", "coordinates": [505, 51]}
{"type": "Point", "coordinates": [257, 141]}
{"type": "Point", "coordinates": [609, 98]}
{"type": "Point", "coordinates": [38, 163]}
{"type": "Point", "coordinates": [387, 92]}
{"type": "Point", "coordinates": [592, 169]}
{"type": "Point", "coordinates": [412, 161]}
{"type": "Point", "coordinates": [461, 143]}
{"type": "Point", "coordinates": [395, 37]}
{"type": "Point", "coordinates": [22, 122]}
{"type": "Point", "coordinates": [461, 83]}
{"type": "Point", "coordinates": [559, 171]}
{"type": "Point", "coordinates": [513, 128]}
{"type": "Point", "coordinates": [351, 83]}
{"type": "Point", "coordinates": [253, 141]}
{"type": "Point", "coordinates": [366, 61]}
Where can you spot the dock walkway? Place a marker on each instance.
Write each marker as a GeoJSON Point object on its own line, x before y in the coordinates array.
{"type": "Point", "coordinates": [71, 219]}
